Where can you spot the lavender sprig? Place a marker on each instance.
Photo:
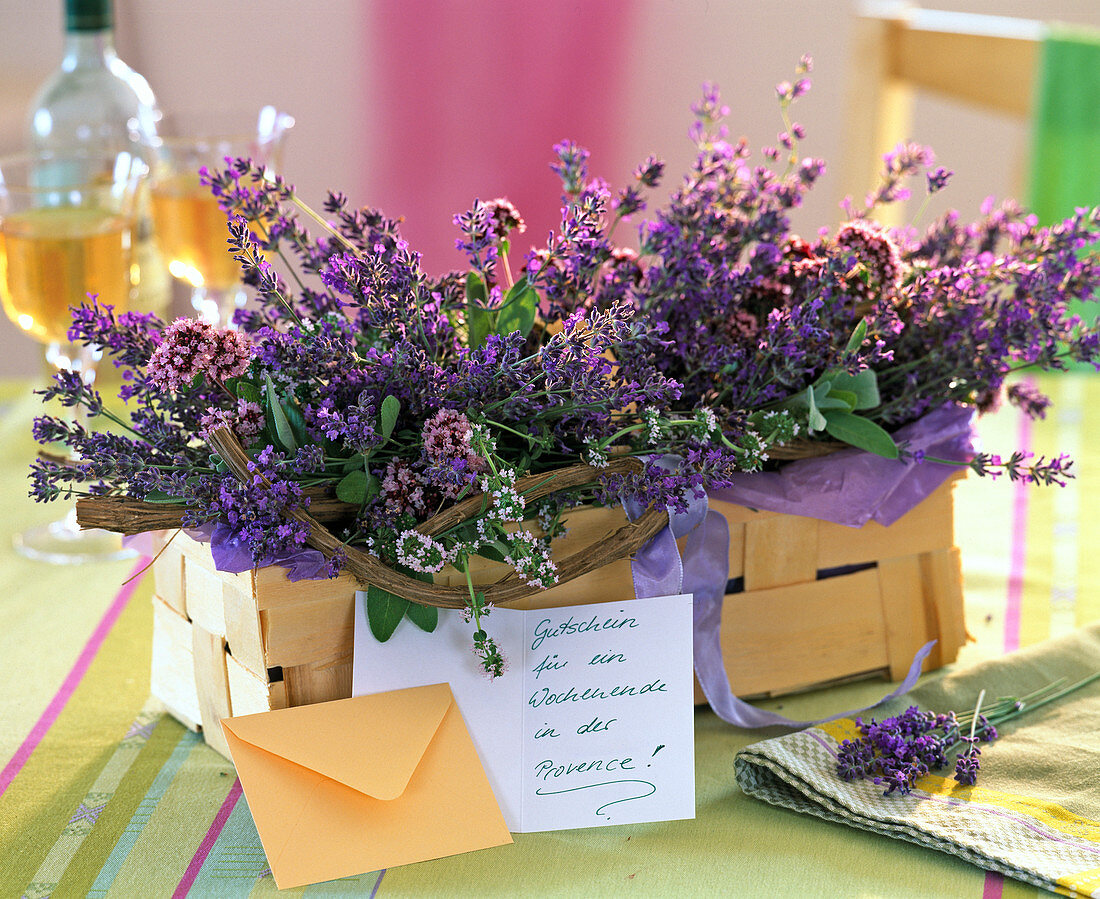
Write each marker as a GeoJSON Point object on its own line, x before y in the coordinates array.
{"type": "Point", "coordinates": [901, 749]}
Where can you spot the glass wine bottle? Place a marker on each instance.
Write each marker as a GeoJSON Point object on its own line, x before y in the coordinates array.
{"type": "Point", "coordinates": [94, 101]}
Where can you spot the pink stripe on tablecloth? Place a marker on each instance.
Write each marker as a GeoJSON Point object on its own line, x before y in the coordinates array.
{"type": "Point", "coordinates": [994, 884]}
{"type": "Point", "coordinates": [1018, 555]}
{"type": "Point", "coordinates": [72, 681]}
{"type": "Point", "coordinates": [199, 859]}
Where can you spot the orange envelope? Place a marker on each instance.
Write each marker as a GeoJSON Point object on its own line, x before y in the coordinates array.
{"type": "Point", "coordinates": [356, 785]}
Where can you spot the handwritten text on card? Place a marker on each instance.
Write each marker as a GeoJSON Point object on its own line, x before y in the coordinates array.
{"type": "Point", "coordinates": [592, 724]}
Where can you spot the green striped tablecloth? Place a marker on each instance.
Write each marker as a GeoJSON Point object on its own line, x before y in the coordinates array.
{"type": "Point", "coordinates": [102, 795]}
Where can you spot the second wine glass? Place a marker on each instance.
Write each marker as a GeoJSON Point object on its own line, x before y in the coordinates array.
{"type": "Point", "coordinates": [66, 231]}
{"type": "Point", "coordinates": [191, 228]}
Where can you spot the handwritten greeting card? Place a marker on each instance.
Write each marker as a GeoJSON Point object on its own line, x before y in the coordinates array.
{"type": "Point", "coordinates": [592, 724]}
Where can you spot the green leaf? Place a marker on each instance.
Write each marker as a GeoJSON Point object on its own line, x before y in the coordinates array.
{"type": "Point", "coordinates": [387, 416]}
{"type": "Point", "coordinates": [159, 496]}
{"type": "Point", "coordinates": [248, 392]}
{"type": "Point", "coordinates": [838, 399]}
{"type": "Point", "coordinates": [297, 422]}
{"type": "Point", "coordinates": [478, 325]}
{"type": "Point", "coordinates": [858, 335]}
{"type": "Point", "coordinates": [374, 486]}
{"type": "Point", "coordinates": [814, 418]}
{"type": "Point", "coordinates": [352, 488]}
{"type": "Point", "coordinates": [384, 612]}
{"type": "Point", "coordinates": [475, 289]}
{"type": "Point", "coordinates": [864, 385]}
{"type": "Point", "coordinates": [494, 551]}
{"type": "Point", "coordinates": [424, 617]}
{"type": "Point", "coordinates": [860, 432]}
{"type": "Point", "coordinates": [282, 426]}
{"type": "Point", "coordinates": [517, 313]}
{"type": "Point", "coordinates": [353, 462]}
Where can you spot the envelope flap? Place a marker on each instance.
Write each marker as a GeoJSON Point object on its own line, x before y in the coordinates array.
{"type": "Point", "coordinates": [372, 744]}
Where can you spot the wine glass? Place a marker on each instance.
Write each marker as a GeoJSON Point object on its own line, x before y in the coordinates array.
{"type": "Point", "coordinates": [66, 230]}
{"type": "Point", "coordinates": [190, 227]}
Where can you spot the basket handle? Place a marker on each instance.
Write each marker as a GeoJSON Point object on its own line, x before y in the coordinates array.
{"type": "Point", "coordinates": [368, 569]}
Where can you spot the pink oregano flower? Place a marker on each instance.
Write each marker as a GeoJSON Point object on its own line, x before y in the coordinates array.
{"type": "Point", "coordinates": [189, 348]}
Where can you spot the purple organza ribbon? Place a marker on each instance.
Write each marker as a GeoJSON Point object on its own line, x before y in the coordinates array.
{"type": "Point", "coordinates": [853, 487]}
{"type": "Point", "coordinates": [231, 553]}
{"type": "Point", "coordinates": [659, 570]}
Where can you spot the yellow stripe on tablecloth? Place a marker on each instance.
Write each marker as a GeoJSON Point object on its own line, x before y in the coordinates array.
{"type": "Point", "coordinates": [1087, 883]}
{"type": "Point", "coordinates": [1046, 813]}
{"type": "Point", "coordinates": [178, 823]}
{"type": "Point", "coordinates": [842, 729]}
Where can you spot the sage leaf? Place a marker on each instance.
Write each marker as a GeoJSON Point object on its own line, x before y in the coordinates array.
{"type": "Point", "coordinates": [838, 399]}
{"type": "Point", "coordinates": [860, 432]}
{"type": "Point", "coordinates": [475, 289]}
{"type": "Point", "coordinates": [159, 496]}
{"type": "Point", "coordinates": [353, 462]}
{"type": "Point", "coordinates": [424, 617]}
{"type": "Point", "coordinates": [864, 385]}
{"type": "Point", "coordinates": [352, 488]}
{"type": "Point", "coordinates": [814, 417]}
{"type": "Point", "coordinates": [384, 612]}
{"type": "Point", "coordinates": [387, 415]}
{"type": "Point", "coordinates": [517, 312]}
{"type": "Point", "coordinates": [478, 325]}
{"type": "Point", "coordinates": [858, 335]}
{"type": "Point", "coordinates": [282, 426]}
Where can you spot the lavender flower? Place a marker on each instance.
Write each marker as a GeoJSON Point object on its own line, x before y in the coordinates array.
{"type": "Point", "coordinates": [901, 749]}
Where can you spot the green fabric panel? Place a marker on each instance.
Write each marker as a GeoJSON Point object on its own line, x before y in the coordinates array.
{"type": "Point", "coordinates": [1065, 154]}
{"type": "Point", "coordinates": [1065, 162]}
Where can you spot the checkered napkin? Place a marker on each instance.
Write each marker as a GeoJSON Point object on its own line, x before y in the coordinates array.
{"type": "Point", "coordinates": [1034, 814]}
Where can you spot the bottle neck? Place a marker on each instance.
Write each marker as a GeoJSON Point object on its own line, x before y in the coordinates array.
{"type": "Point", "coordinates": [88, 49]}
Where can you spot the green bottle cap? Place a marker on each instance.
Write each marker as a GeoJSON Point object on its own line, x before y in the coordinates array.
{"type": "Point", "coordinates": [88, 15]}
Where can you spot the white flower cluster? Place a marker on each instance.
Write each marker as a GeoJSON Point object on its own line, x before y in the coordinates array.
{"type": "Point", "coordinates": [420, 552]}
{"type": "Point", "coordinates": [530, 557]}
{"type": "Point", "coordinates": [594, 454]}
{"type": "Point", "coordinates": [482, 439]}
{"type": "Point", "coordinates": [655, 430]}
{"type": "Point", "coordinates": [708, 425]}
{"type": "Point", "coordinates": [782, 424]}
{"type": "Point", "coordinates": [755, 451]}
{"type": "Point", "coordinates": [508, 504]}
{"type": "Point", "coordinates": [551, 524]}
{"type": "Point", "coordinates": [468, 613]}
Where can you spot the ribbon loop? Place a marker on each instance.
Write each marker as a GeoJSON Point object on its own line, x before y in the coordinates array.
{"type": "Point", "coordinates": [659, 570]}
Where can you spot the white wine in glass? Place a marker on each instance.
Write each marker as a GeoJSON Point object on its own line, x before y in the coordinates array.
{"type": "Point", "coordinates": [66, 231]}
{"type": "Point", "coordinates": [190, 226]}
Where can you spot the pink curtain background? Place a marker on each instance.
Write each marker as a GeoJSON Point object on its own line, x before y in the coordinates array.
{"type": "Point", "coordinates": [469, 99]}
